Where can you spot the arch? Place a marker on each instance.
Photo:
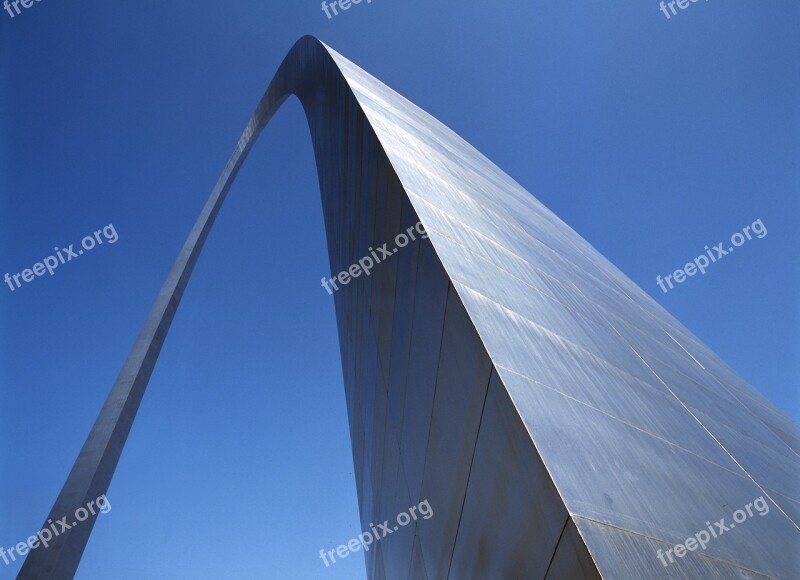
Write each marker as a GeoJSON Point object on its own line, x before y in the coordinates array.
{"type": "Point", "coordinates": [308, 72]}
{"type": "Point", "coordinates": [501, 369]}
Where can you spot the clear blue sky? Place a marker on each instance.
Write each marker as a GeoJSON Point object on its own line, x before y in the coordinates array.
{"type": "Point", "coordinates": [651, 137]}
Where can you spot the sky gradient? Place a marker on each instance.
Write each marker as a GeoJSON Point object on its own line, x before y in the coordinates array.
{"type": "Point", "coordinates": [651, 137]}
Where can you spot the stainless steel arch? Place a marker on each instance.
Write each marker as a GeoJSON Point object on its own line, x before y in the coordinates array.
{"type": "Point", "coordinates": [308, 72]}
{"type": "Point", "coordinates": [561, 423]}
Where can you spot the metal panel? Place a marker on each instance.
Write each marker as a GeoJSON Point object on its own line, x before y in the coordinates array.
{"type": "Point", "coordinates": [461, 384]}
{"type": "Point", "coordinates": [402, 321]}
{"type": "Point", "coordinates": [417, 563]}
{"type": "Point", "coordinates": [513, 515]}
{"type": "Point", "coordinates": [621, 554]}
{"type": "Point", "coordinates": [394, 499]}
{"type": "Point", "coordinates": [430, 299]}
{"type": "Point", "coordinates": [571, 560]}
{"type": "Point", "coordinates": [654, 488]}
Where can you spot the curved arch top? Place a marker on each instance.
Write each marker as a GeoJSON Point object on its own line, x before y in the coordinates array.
{"type": "Point", "coordinates": [553, 414]}
{"type": "Point", "coordinates": [308, 72]}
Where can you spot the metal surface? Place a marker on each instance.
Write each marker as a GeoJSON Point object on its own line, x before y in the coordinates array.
{"type": "Point", "coordinates": [512, 518]}
{"type": "Point", "coordinates": [571, 560]}
{"type": "Point", "coordinates": [607, 430]}
{"type": "Point", "coordinates": [461, 386]}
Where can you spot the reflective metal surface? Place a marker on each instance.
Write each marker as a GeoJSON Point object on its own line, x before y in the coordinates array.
{"type": "Point", "coordinates": [571, 560]}
{"type": "Point", "coordinates": [560, 423]}
{"type": "Point", "coordinates": [643, 430]}
{"type": "Point", "coordinates": [513, 519]}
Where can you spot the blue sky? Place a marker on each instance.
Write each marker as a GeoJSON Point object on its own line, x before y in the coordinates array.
{"type": "Point", "coordinates": [651, 137]}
